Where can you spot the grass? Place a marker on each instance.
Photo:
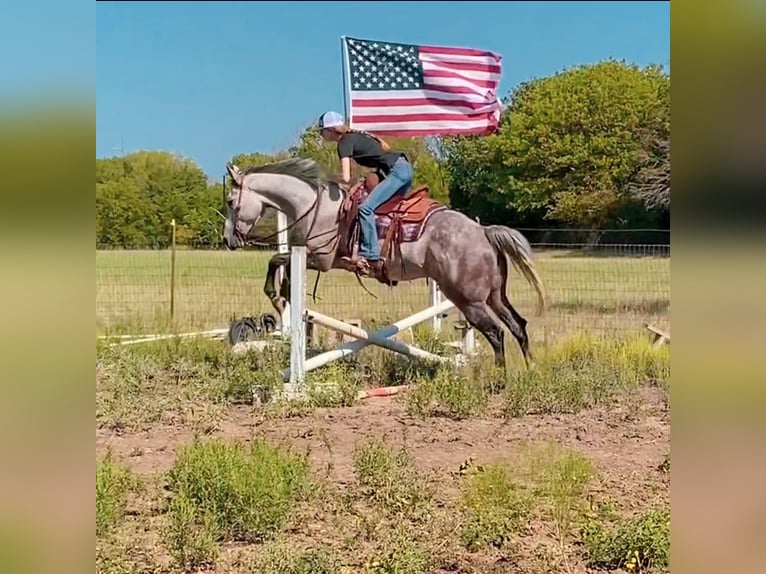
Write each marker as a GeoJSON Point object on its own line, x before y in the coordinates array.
{"type": "Point", "coordinates": [637, 544]}
{"type": "Point", "coordinates": [113, 483]}
{"type": "Point", "coordinates": [133, 292]}
{"type": "Point", "coordinates": [587, 370]}
{"type": "Point", "coordinates": [264, 506]}
{"type": "Point", "coordinates": [228, 493]}
{"type": "Point", "coordinates": [193, 382]}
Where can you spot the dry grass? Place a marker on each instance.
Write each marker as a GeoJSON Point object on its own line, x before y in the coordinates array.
{"type": "Point", "coordinates": [588, 292]}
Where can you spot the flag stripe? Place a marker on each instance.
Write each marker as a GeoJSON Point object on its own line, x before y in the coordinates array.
{"type": "Point", "coordinates": [415, 117]}
{"type": "Point", "coordinates": [485, 60]}
{"type": "Point", "coordinates": [439, 75]}
{"type": "Point", "coordinates": [452, 87]}
{"type": "Point", "coordinates": [455, 89]}
{"type": "Point", "coordinates": [455, 51]}
{"type": "Point", "coordinates": [438, 96]}
{"type": "Point", "coordinates": [472, 66]}
{"type": "Point", "coordinates": [443, 127]}
{"type": "Point", "coordinates": [425, 104]}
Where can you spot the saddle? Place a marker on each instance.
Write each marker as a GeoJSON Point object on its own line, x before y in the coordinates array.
{"type": "Point", "coordinates": [400, 220]}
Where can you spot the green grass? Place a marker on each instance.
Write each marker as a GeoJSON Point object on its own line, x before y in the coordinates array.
{"type": "Point", "coordinates": [113, 482]}
{"type": "Point", "coordinates": [228, 493]}
{"type": "Point", "coordinates": [133, 292]}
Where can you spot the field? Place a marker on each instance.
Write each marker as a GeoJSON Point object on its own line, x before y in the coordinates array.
{"type": "Point", "coordinates": [561, 468]}
{"type": "Point", "coordinates": [612, 289]}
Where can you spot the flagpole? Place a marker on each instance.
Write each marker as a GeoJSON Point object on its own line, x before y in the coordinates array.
{"type": "Point", "coordinates": [346, 80]}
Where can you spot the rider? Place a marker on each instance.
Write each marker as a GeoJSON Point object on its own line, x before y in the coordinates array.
{"type": "Point", "coordinates": [372, 152]}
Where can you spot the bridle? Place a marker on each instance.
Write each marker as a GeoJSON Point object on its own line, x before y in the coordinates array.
{"type": "Point", "coordinates": [264, 240]}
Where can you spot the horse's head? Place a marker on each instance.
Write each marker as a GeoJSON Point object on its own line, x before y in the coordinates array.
{"type": "Point", "coordinates": [244, 208]}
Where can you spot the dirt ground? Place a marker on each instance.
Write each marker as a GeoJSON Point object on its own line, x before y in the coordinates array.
{"type": "Point", "coordinates": [627, 444]}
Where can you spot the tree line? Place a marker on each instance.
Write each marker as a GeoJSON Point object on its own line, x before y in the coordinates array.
{"type": "Point", "coordinates": [588, 147]}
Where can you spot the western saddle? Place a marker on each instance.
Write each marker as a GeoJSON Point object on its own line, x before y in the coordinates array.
{"type": "Point", "coordinates": [400, 220]}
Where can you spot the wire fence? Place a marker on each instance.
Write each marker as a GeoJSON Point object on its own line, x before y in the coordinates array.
{"type": "Point", "coordinates": [593, 286]}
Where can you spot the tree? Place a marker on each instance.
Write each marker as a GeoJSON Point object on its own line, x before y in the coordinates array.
{"type": "Point", "coordinates": [138, 195]}
{"type": "Point", "coordinates": [652, 181]}
{"type": "Point", "coordinates": [568, 147]}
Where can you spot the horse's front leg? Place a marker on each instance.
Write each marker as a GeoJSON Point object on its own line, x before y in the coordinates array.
{"type": "Point", "coordinates": [269, 288]}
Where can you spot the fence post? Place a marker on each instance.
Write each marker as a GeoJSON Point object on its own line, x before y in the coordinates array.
{"type": "Point", "coordinates": [283, 247]}
{"type": "Point", "coordinates": [297, 322]}
{"type": "Point", "coordinates": [172, 268]}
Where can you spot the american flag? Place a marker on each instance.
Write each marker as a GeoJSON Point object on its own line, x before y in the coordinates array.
{"type": "Point", "coordinates": [412, 90]}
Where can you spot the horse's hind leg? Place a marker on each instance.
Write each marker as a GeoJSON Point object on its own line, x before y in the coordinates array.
{"type": "Point", "coordinates": [480, 318]}
{"type": "Point", "coordinates": [516, 324]}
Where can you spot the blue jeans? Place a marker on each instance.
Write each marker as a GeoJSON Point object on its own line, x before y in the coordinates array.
{"type": "Point", "coordinates": [398, 181]}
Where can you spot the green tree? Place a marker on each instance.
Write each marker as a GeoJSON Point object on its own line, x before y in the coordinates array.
{"type": "Point", "coordinates": [138, 195]}
{"type": "Point", "coordinates": [568, 148]}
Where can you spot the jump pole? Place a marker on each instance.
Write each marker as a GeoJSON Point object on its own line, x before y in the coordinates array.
{"type": "Point", "coordinates": [299, 365]}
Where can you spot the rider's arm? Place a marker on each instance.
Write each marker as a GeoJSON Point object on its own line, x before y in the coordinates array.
{"type": "Point", "coordinates": [345, 151]}
{"type": "Point", "coordinates": [345, 169]}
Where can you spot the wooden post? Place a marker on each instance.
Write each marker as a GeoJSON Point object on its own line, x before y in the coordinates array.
{"type": "Point", "coordinates": [172, 268]}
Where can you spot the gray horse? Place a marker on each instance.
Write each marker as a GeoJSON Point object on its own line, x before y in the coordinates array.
{"type": "Point", "coordinates": [465, 259]}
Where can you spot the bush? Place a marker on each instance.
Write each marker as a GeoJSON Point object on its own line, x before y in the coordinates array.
{"type": "Point", "coordinates": [496, 507]}
{"type": "Point", "coordinates": [225, 492]}
{"type": "Point", "coordinates": [638, 544]}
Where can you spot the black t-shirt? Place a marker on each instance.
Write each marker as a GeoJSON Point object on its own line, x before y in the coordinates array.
{"type": "Point", "coordinates": [367, 152]}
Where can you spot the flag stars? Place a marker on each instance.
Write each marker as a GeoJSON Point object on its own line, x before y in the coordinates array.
{"type": "Point", "coordinates": [383, 66]}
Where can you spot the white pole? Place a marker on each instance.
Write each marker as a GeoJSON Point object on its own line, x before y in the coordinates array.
{"type": "Point", "coordinates": [297, 321]}
{"type": "Point", "coordinates": [435, 297]}
{"type": "Point", "coordinates": [283, 247]}
{"type": "Point", "coordinates": [386, 332]}
{"type": "Point", "coordinates": [365, 335]}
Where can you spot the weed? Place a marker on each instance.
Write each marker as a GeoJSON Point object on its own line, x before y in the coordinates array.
{"type": "Point", "coordinates": [391, 478]}
{"type": "Point", "coordinates": [192, 534]}
{"type": "Point", "coordinates": [449, 394]}
{"type": "Point", "coordinates": [284, 558]}
{"type": "Point", "coordinates": [332, 386]}
{"type": "Point", "coordinates": [638, 544]}
{"type": "Point", "coordinates": [399, 554]}
{"type": "Point", "coordinates": [585, 371]}
{"type": "Point", "coordinates": [224, 492]}
{"type": "Point", "coordinates": [563, 476]}
{"type": "Point", "coordinates": [386, 368]}
{"type": "Point", "coordinates": [113, 481]}
{"type": "Point", "coordinates": [496, 507]}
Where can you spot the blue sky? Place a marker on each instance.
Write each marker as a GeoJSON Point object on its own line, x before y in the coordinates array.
{"type": "Point", "coordinates": [208, 80]}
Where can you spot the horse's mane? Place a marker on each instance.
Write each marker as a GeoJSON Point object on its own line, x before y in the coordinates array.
{"type": "Point", "coordinates": [307, 170]}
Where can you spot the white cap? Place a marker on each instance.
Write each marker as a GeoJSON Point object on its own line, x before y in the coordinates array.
{"type": "Point", "coordinates": [330, 120]}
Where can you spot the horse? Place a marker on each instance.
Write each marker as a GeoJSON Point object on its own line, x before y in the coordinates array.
{"type": "Point", "coordinates": [467, 260]}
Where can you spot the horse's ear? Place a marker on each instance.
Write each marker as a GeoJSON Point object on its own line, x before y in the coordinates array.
{"type": "Point", "coordinates": [235, 173]}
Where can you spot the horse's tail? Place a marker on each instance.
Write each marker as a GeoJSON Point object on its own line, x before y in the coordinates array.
{"type": "Point", "coordinates": [511, 242]}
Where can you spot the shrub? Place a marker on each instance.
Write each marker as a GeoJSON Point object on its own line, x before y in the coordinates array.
{"type": "Point", "coordinates": [637, 544]}
{"type": "Point", "coordinates": [225, 492]}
